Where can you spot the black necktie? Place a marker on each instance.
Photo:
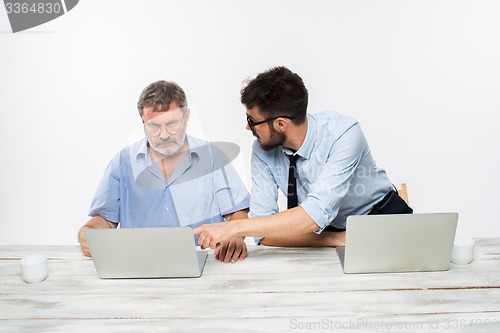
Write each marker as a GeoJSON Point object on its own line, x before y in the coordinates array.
{"type": "Point", "coordinates": [292, 182]}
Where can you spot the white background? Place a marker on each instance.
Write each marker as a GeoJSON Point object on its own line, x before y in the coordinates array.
{"type": "Point", "coordinates": [422, 77]}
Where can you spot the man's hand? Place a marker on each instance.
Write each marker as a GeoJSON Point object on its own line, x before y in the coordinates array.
{"type": "Point", "coordinates": [231, 251]}
{"type": "Point", "coordinates": [83, 242]}
{"type": "Point", "coordinates": [96, 222]}
{"type": "Point", "coordinates": [210, 235]}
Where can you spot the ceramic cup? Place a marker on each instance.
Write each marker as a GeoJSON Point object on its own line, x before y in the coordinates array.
{"type": "Point", "coordinates": [34, 268]}
{"type": "Point", "coordinates": [463, 250]}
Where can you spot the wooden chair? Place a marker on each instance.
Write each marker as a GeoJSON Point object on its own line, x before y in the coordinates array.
{"type": "Point", "coordinates": [403, 192]}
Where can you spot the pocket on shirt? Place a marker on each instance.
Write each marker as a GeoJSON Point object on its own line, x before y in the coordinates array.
{"type": "Point", "coordinates": [140, 207]}
{"type": "Point", "coordinates": [194, 201]}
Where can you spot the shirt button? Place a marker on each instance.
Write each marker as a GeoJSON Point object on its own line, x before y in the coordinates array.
{"type": "Point", "coordinates": [166, 209]}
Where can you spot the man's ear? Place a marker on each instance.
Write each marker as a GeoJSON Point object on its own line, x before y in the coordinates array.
{"type": "Point", "coordinates": [280, 125]}
{"type": "Point", "coordinates": [187, 114]}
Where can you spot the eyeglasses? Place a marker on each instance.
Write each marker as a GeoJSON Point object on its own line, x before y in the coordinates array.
{"type": "Point", "coordinates": [252, 123]}
{"type": "Point", "coordinates": [155, 129]}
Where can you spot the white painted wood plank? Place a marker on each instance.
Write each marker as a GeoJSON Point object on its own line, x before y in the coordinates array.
{"type": "Point", "coordinates": [305, 270]}
{"type": "Point", "coordinates": [273, 288]}
{"type": "Point", "coordinates": [188, 304]}
{"type": "Point", "coordinates": [66, 278]}
{"type": "Point", "coordinates": [429, 323]}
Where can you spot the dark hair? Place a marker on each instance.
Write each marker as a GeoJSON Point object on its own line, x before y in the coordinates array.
{"type": "Point", "coordinates": [277, 91]}
{"type": "Point", "coordinates": [160, 95]}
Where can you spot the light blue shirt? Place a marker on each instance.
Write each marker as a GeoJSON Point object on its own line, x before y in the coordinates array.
{"type": "Point", "coordinates": [336, 174]}
{"type": "Point", "coordinates": [203, 188]}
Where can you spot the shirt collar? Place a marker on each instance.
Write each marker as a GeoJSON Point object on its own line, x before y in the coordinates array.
{"type": "Point", "coordinates": [306, 148]}
{"type": "Point", "coordinates": [143, 150]}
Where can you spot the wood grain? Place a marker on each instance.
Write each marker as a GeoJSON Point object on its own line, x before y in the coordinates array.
{"type": "Point", "coordinates": [273, 290]}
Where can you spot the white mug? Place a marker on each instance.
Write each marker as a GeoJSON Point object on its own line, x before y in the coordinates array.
{"type": "Point", "coordinates": [34, 268]}
{"type": "Point", "coordinates": [463, 250]}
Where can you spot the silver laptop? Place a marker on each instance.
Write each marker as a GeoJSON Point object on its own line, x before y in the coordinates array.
{"type": "Point", "coordinates": [398, 243]}
{"type": "Point", "coordinates": [145, 253]}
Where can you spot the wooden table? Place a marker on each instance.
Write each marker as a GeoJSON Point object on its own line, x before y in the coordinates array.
{"type": "Point", "coordinates": [273, 290]}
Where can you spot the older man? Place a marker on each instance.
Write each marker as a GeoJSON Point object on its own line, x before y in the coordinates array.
{"type": "Point", "coordinates": [169, 179]}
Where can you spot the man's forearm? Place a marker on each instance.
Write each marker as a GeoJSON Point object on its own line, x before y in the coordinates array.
{"type": "Point", "coordinates": [309, 239]}
{"type": "Point", "coordinates": [238, 215]}
{"type": "Point", "coordinates": [96, 222]}
{"type": "Point", "coordinates": [291, 222]}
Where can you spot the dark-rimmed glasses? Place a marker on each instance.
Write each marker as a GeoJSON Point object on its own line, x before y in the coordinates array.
{"type": "Point", "coordinates": [252, 123]}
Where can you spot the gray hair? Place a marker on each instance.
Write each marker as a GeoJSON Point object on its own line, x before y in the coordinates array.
{"type": "Point", "coordinates": [160, 95]}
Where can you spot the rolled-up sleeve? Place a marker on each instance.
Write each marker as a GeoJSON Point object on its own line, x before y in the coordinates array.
{"type": "Point", "coordinates": [230, 192]}
{"type": "Point", "coordinates": [333, 178]}
{"type": "Point", "coordinates": [106, 201]}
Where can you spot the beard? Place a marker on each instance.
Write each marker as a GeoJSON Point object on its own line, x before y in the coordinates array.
{"type": "Point", "coordinates": [168, 147]}
{"type": "Point", "coordinates": [275, 139]}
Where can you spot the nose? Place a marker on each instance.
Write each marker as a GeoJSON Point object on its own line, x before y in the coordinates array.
{"type": "Point", "coordinates": [164, 134]}
{"type": "Point", "coordinates": [248, 127]}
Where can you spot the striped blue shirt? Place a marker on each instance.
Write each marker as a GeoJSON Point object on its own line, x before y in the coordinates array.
{"type": "Point", "coordinates": [204, 186]}
{"type": "Point", "coordinates": [336, 173]}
